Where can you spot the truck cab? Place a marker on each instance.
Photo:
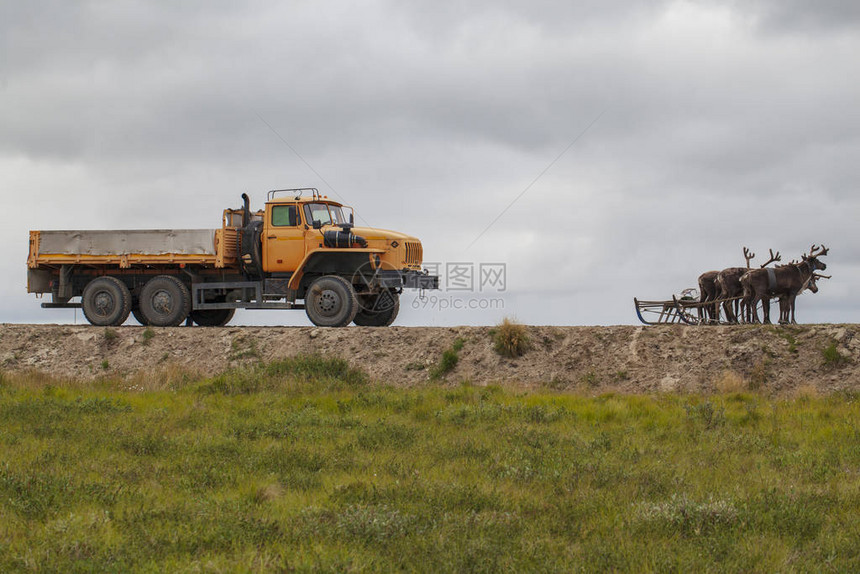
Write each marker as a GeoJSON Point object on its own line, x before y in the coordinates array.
{"type": "Point", "coordinates": [294, 228]}
{"type": "Point", "coordinates": [303, 237]}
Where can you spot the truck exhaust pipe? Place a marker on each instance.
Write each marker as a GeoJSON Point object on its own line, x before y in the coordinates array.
{"type": "Point", "coordinates": [246, 210]}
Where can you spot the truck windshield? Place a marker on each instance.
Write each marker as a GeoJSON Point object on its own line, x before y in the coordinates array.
{"type": "Point", "coordinates": [324, 213]}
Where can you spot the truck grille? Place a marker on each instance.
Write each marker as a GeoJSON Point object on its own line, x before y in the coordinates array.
{"type": "Point", "coordinates": [413, 253]}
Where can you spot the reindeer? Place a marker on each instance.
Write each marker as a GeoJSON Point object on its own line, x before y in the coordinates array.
{"type": "Point", "coordinates": [729, 283]}
{"type": "Point", "coordinates": [786, 302]}
{"type": "Point", "coordinates": [787, 280]}
{"type": "Point", "coordinates": [707, 293]}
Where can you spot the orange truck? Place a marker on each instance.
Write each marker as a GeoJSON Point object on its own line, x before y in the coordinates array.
{"type": "Point", "coordinates": [302, 251]}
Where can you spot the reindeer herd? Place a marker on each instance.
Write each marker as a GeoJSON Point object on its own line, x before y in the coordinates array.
{"type": "Point", "coordinates": [741, 289]}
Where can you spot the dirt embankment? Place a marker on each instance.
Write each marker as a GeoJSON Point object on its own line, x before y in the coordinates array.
{"type": "Point", "coordinates": [623, 358]}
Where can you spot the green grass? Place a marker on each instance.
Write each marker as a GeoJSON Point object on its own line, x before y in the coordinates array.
{"type": "Point", "coordinates": [832, 357]}
{"type": "Point", "coordinates": [788, 333]}
{"type": "Point", "coordinates": [303, 464]}
{"type": "Point", "coordinates": [148, 335]}
{"type": "Point", "coordinates": [449, 360]}
{"type": "Point", "coordinates": [242, 347]}
{"type": "Point", "coordinates": [589, 379]}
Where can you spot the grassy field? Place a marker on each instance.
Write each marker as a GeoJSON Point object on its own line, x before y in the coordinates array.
{"type": "Point", "coordinates": [303, 465]}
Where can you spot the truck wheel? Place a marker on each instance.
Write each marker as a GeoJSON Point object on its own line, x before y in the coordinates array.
{"type": "Point", "coordinates": [138, 316]}
{"type": "Point", "coordinates": [135, 312]}
{"type": "Point", "coordinates": [106, 302]}
{"type": "Point", "coordinates": [378, 310]}
{"type": "Point", "coordinates": [164, 301]}
{"type": "Point", "coordinates": [331, 302]}
{"type": "Point", "coordinates": [212, 317]}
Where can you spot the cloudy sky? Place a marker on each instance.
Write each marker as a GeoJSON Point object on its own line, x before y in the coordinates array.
{"type": "Point", "coordinates": [628, 145]}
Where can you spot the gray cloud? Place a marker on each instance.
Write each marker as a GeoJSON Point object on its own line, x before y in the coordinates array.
{"type": "Point", "coordinates": [724, 126]}
{"type": "Point", "coordinates": [799, 16]}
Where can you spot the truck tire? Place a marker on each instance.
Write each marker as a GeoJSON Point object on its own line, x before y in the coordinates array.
{"type": "Point", "coordinates": [165, 301]}
{"type": "Point", "coordinates": [135, 311]}
{"type": "Point", "coordinates": [378, 310]}
{"type": "Point", "coordinates": [106, 302]}
{"type": "Point", "coordinates": [212, 317]}
{"type": "Point", "coordinates": [138, 316]}
{"type": "Point", "coordinates": [331, 302]}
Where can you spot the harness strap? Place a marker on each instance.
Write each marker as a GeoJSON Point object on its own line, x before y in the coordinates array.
{"type": "Point", "coordinates": [771, 278]}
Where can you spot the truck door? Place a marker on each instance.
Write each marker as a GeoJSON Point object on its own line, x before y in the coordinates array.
{"type": "Point", "coordinates": [283, 238]}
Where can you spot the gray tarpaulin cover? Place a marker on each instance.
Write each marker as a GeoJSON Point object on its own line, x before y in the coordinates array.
{"type": "Point", "coordinates": [128, 242]}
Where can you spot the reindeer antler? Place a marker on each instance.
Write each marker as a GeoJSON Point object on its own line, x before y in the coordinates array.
{"type": "Point", "coordinates": [748, 255]}
{"type": "Point", "coordinates": [820, 251]}
{"type": "Point", "coordinates": [820, 276]}
{"type": "Point", "coordinates": [773, 258]}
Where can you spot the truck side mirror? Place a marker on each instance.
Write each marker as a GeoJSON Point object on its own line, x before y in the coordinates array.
{"type": "Point", "coordinates": [317, 224]}
{"type": "Point", "coordinates": [351, 218]}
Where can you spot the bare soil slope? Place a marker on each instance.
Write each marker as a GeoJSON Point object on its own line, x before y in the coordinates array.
{"type": "Point", "coordinates": [596, 359]}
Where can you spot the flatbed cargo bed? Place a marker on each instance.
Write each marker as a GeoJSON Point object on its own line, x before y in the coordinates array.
{"type": "Point", "coordinates": [127, 247]}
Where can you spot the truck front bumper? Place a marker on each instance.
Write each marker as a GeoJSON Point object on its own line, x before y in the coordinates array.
{"type": "Point", "coordinates": [405, 279]}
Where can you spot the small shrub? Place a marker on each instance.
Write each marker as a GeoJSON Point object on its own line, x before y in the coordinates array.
{"type": "Point", "coordinates": [832, 357]}
{"type": "Point", "coordinates": [110, 335]}
{"type": "Point", "coordinates": [510, 339]}
{"type": "Point", "coordinates": [450, 358]}
{"type": "Point", "coordinates": [415, 366]}
{"type": "Point", "coordinates": [105, 365]}
{"type": "Point", "coordinates": [148, 334]}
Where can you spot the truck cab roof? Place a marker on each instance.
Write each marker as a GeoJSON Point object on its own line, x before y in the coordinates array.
{"type": "Point", "coordinates": [304, 199]}
{"type": "Point", "coordinates": [300, 195]}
